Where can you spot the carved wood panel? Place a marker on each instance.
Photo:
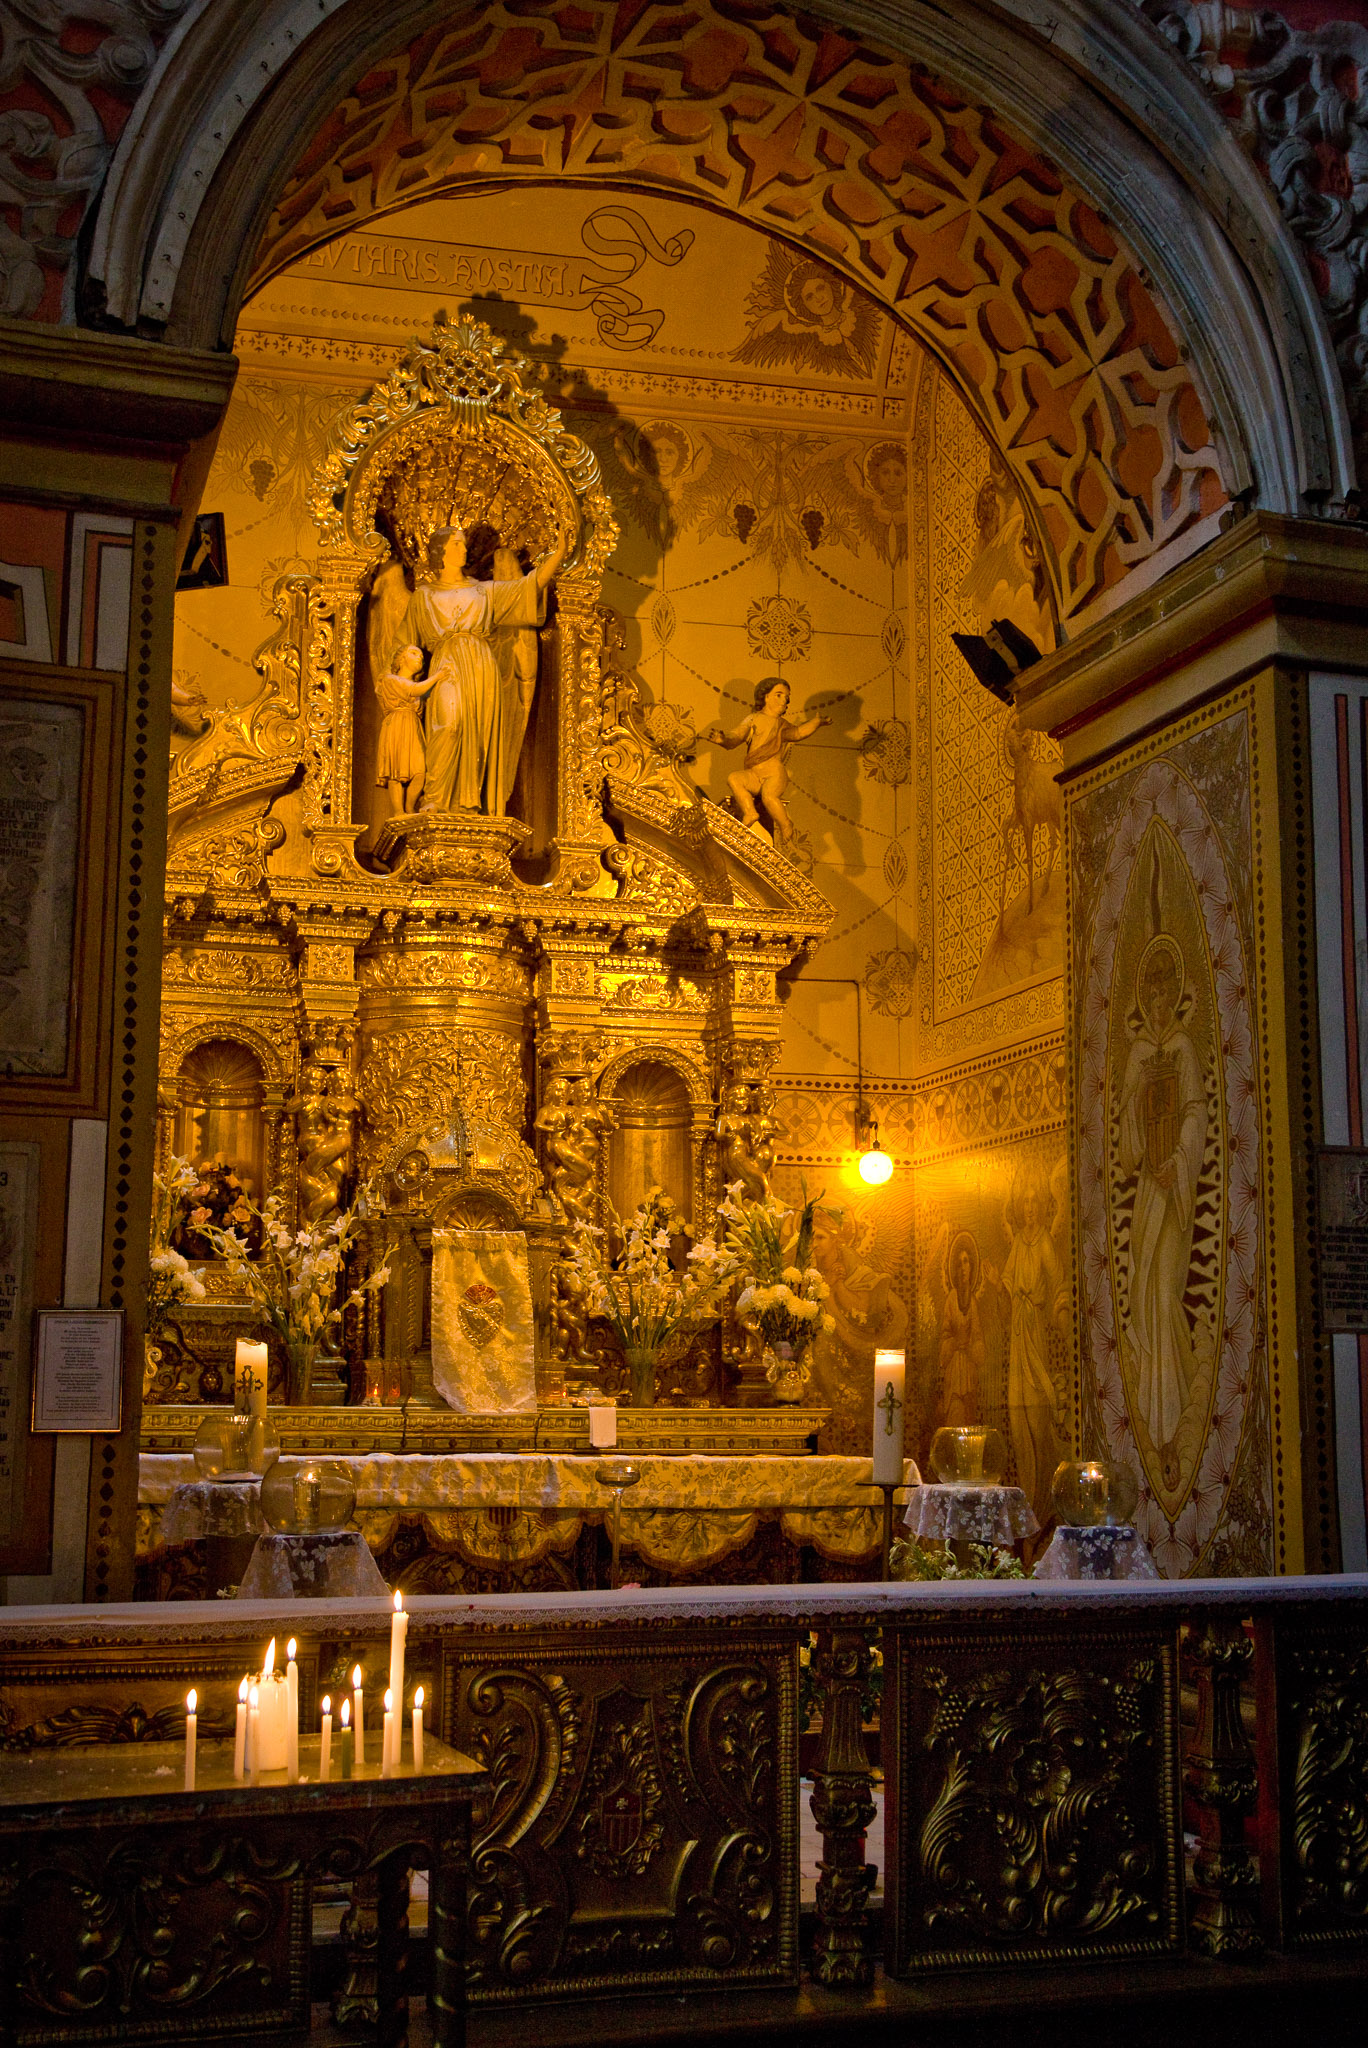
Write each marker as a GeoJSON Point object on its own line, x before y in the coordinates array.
{"type": "Point", "coordinates": [641, 1830]}
{"type": "Point", "coordinates": [1033, 1796]}
{"type": "Point", "coordinates": [1313, 1788]}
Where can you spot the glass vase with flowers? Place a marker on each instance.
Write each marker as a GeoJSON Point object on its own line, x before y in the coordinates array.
{"type": "Point", "coordinates": [780, 1302]}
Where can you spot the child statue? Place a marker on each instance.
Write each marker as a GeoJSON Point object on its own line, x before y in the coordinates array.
{"type": "Point", "coordinates": [401, 760]}
{"type": "Point", "coordinates": [767, 737]}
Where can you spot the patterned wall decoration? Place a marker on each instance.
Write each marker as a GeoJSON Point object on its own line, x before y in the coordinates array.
{"type": "Point", "coordinates": [989, 813]}
{"type": "Point", "coordinates": [875, 169]}
{"type": "Point", "coordinates": [1170, 1165]}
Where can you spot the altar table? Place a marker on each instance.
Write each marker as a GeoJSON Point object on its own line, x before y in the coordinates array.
{"type": "Point", "coordinates": [512, 1511]}
{"type": "Point", "coordinates": [132, 1910]}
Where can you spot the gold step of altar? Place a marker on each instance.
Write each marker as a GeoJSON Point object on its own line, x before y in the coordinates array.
{"type": "Point", "coordinates": [652, 1432]}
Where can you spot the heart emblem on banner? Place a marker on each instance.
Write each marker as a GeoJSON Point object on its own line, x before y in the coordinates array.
{"type": "Point", "coordinates": [480, 1312]}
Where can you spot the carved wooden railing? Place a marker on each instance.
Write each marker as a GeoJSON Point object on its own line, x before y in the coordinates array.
{"type": "Point", "coordinates": [641, 1833]}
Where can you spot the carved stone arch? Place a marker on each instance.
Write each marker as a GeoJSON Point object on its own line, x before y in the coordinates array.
{"type": "Point", "coordinates": [1109, 424]}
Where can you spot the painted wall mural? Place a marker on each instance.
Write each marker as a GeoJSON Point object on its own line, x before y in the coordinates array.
{"type": "Point", "coordinates": [1170, 1153]}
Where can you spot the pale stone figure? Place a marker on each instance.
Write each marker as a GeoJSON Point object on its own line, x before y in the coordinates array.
{"type": "Point", "coordinates": [1163, 1125]}
{"type": "Point", "coordinates": [400, 761]}
{"type": "Point", "coordinates": [767, 737]}
{"type": "Point", "coordinates": [515, 650]}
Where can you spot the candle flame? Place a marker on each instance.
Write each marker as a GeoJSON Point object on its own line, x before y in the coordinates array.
{"type": "Point", "coordinates": [290, 1651]}
{"type": "Point", "coordinates": [346, 1713]}
{"type": "Point", "coordinates": [242, 1692]}
{"type": "Point", "coordinates": [327, 1703]}
{"type": "Point", "coordinates": [398, 1603]}
{"type": "Point", "coordinates": [418, 1699]}
{"type": "Point", "coordinates": [191, 1700]}
{"type": "Point", "coordinates": [389, 1701]}
{"type": "Point", "coordinates": [254, 1698]}
{"type": "Point", "coordinates": [356, 1678]}
{"type": "Point", "coordinates": [269, 1666]}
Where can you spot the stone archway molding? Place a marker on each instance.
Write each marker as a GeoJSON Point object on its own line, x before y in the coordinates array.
{"type": "Point", "coordinates": [1128, 441]}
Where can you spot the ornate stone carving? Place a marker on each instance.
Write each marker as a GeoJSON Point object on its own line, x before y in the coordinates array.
{"type": "Point", "coordinates": [409, 1075]}
{"type": "Point", "coordinates": [326, 1115]}
{"type": "Point", "coordinates": [1323, 1688]}
{"type": "Point", "coordinates": [843, 1807]}
{"type": "Point", "coordinates": [1223, 1781]}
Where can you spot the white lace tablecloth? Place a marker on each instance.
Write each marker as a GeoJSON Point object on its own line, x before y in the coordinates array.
{"type": "Point", "coordinates": [970, 1514]}
{"type": "Point", "coordinates": [212, 1507]}
{"type": "Point", "coordinates": [685, 1513]}
{"type": "Point", "coordinates": [1120, 1553]}
{"type": "Point", "coordinates": [331, 1565]}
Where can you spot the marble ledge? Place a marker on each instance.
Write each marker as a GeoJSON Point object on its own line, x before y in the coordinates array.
{"type": "Point", "coordinates": [870, 1603]}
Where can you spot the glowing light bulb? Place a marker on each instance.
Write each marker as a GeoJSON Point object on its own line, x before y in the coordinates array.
{"type": "Point", "coordinates": [875, 1166]}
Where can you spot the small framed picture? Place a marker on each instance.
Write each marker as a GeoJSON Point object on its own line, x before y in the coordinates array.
{"type": "Point", "coordinates": [78, 1379]}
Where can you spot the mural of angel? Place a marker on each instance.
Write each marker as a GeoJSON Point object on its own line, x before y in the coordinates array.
{"type": "Point", "coordinates": [471, 758]}
{"type": "Point", "coordinates": [802, 316]}
{"type": "Point", "coordinates": [1036, 1299]}
{"type": "Point", "coordinates": [958, 1279]}
{"type": "Point", "coordinates": [855, 1258]}
{"type": "Point", "coordinates": [400, 759]}
{"type": "Point", "coordinates": [767, 737]}
{"type": "Point", "coordinates": [1163, 1128]}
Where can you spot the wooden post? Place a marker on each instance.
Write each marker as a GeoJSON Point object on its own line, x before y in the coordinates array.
{"type": "Point", "coordinates": [843, 1807]}
{"type": "Point", "coordinates": [1221, 1775]}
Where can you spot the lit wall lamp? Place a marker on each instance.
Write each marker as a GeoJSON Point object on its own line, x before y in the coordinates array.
{"type": "Point", "coordinates": [875, 1166]}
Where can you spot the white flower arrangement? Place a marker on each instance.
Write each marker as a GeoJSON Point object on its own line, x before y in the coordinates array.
{"type": "Point", "coordinates": [294, 1280]}
{"type": "Point", "coordinates": [170, 1276]}
{"type": "Point", "coordinates": [781, 1290]}
{"type": "Point", "coordinates": [641, 1292]}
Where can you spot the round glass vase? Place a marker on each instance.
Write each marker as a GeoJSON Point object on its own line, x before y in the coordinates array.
{"type": "Point", "coordinates": [968, 1457]}
{"type": "Point", "coordinates": [229, 1446]}
{"type": "Point", "coordinates": [1092, 1493]}
{"type": "Point", "coordinates": [307, 1497]}
{"type": "Point", "coordinates": [641, 1377]}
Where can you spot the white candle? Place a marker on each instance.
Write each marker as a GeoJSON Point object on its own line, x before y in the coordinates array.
{"type": "Point", "coordinates": [399, 1622]}
{"type": "Point", "coordinates": [890, 1385]}
{"type": "Point", "coordinates": [240, 1737]}
{"type": "Point", "coordinates": [249, 1379]}
{"type": "Point", "coordinates": [346, 1739]}
{"type": "Point", "coordinates": [291, 1714]}
{"type": "Point", "coordinates": [254, 1734]}
{"type": "Point", "coordinates": [272, 1692]}
{"type": "Point", "coordinates": [358, 1716]}
{"type": "Point", "coordinates": [418, 1730]}
{"type": "Point", "coordinates": [325, 1745]}
{"type": "Point", "coordinates": [387, 1744]}
{"type": "Point", "coordinates": [191, 1722]}
{"type": "Point", "coordinates": [602, 1426]}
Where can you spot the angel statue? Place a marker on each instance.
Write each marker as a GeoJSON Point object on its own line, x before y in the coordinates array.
{"type": "Point", "coordinates": [768, 738]}
{"type": "Point", "coordinates": [475, 718]}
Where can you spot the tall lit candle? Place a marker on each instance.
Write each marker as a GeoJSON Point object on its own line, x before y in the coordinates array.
{"type": "Point", "coordinates": [325, 1743]}
{"type": "Point", "coordinates": [890, 1388]}
{"type": "Point", "coordinates": [272, 1689]}
{"type": "Point", "coordinates": [291, 1714]}
{"type": "Point", "coordinates": [240, 1735]}
{"type": "Point", "coordinates": [388, 1744]}
{"type": "Point", "coordinates": [418, 1730]}
{"type": "Point", "coordinates": [399, 1622]}
{"type": "Point", "coordinates": [191, 1724]}
{"type": "Point", "coordinates": [249, 1379]}
{"type": "Point", "coordinates": [254, 1734]}
{"type": "Point", "coordinates": [359, 1716]}
{"type": "Point", "coordinates": [346, 1739]}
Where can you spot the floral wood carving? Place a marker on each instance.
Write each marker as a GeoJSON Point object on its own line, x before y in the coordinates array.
{"type": "Point", "coordinates": [922, 197]}
{"type": "Point", "coordinates": [1326, 1878]}
{"type": "Point", "coordinates": [1036, 1802]}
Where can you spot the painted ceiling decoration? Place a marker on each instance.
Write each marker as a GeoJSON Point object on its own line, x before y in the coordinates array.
{"type": "Point", "coordinates": [879, 170]}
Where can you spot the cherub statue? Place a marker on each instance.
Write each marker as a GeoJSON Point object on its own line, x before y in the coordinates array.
{"type": "Point", "coordinates": [471, 756]}
{"type": "Point", "coordinates": [570, 1125]}
{"type": "Point", "coordinates": [767, 737]}
{"type": "Point", "coordinates": [569, 1321]}
{"type": "Point", "coordinates": [400, 760]}
{"type": "Point", "coordinates": [325, 1110]}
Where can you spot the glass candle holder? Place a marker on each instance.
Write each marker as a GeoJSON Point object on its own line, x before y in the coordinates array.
{"type": "Point", "coordinates": [235, 1446]}
{"type": "Point", "coordinates": [968, 1457]}
{"type": "Point", "coordinates": [1091, 1493]}
{"type": "Point", "coordinates": [307, 1497]}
